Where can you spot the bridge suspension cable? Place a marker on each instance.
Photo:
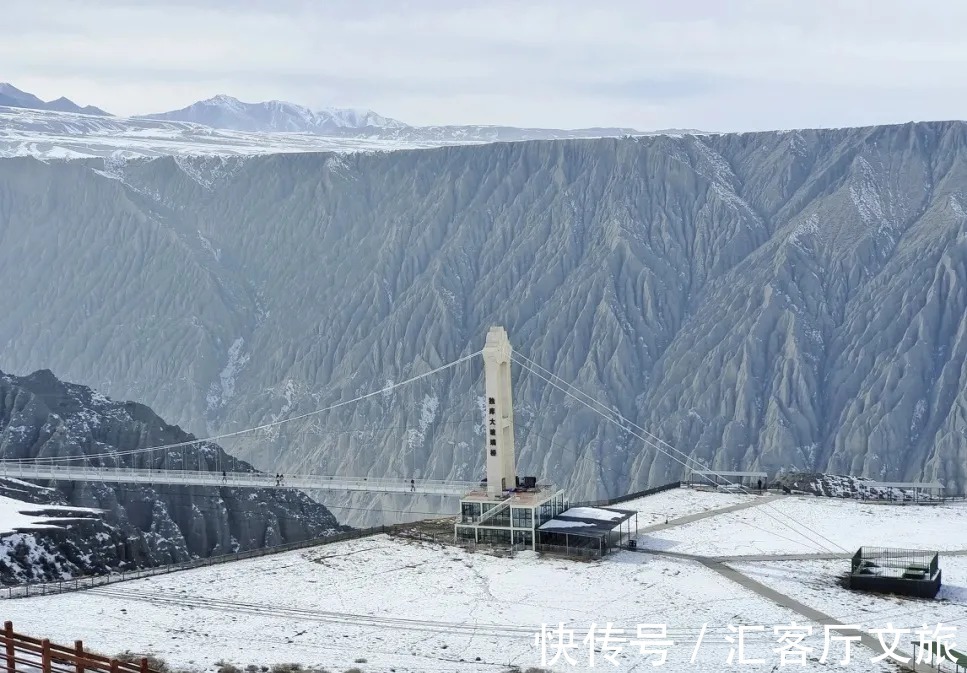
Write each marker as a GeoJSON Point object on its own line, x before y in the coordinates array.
{"type": "Point", "coordinates": [163, 447]}
{"type": "Point", "coordinates": [651, 440]}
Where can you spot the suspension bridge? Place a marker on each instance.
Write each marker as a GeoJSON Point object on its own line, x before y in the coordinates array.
{"type": "Point", "coordinates": [169, 463]}
{"type": "Point", "coordinates": [304, 482]}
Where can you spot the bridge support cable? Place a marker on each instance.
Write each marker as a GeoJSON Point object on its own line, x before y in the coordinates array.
{"type": "Point", "coordinates": [588, 400]}
{"type": "Point", "coordinates": [164, 447]}
{"type": "Point", "coordinates": [625, 425]}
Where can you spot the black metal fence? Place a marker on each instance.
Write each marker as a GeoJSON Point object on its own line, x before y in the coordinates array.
{"type": "Point", "coordinates": [630, 496]}
{"type": "Point", "coordinates": [910, 572]}
{"type": "Point", "coordinates": [895, 562]}
{"type": "Point", "coordinates": [569, 551]}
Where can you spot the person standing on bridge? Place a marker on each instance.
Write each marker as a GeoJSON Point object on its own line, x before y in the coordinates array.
{"type": "Point", "coordinates": [224, 477]}
{"type": "Point", "coordinates": [412, 485]}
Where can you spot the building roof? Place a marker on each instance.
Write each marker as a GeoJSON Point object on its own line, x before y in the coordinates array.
{"type": "Point", "coordinates": [587, 521]}
{"type": "Point", "coordinates": [521, 498]}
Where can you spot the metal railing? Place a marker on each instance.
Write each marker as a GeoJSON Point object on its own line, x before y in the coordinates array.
{"type": "Point", "coordinates": [42, 472]}
{"type": "Point", "coordinates": [570, 552]}
{"type": "Point", "coordinates": [495, 512]}
{"type": "Point", "coordinates": [630, 496]}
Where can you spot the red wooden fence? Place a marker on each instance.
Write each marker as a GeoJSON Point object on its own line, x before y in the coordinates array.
{"type": "Point", "coordinates": [23, 654]}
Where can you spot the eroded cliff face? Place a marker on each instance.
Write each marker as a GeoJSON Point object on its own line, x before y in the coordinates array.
{"type": "Point", "coordinates": [141, 526]}
{"type": "Point", "coordinates": [772, 300]}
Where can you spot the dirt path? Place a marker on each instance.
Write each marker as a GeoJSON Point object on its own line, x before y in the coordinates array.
{"type": "Point", "coordinates": [681, 521]}
{"type": "Point", "coordinates": [812, 614]}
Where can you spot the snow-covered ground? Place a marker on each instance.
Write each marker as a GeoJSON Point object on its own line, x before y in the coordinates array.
{"type": "Point", "coordinates": [61, 135]}
{"type": "Point", "coordinates": [813, 583]}
{"type": "Point", "coordinates": [407, 606]}
{"type": "Point", "coordinates": [16, 515]}
{"type": "Point", "coordinates": [412, 607]}
{"type": "Point", "coordinates": [679, 502]}
{"type": "Point", "coordinates": [805, 524]}
{"type": "Point", "coordinates": [50, 134]}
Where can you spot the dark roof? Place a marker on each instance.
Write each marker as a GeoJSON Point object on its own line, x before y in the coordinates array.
{"type": "Point", "coordinates": [587, 521]}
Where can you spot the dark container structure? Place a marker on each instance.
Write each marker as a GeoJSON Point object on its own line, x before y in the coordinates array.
{"type": "Point", "coordinates": [908, 572]}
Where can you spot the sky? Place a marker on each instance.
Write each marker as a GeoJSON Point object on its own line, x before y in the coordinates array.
{"type": "Point", "coordinates": [713, 65]}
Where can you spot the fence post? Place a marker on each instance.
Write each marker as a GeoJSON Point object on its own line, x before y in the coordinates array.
{"type": "Point", "coordinates": [78, 656]}
{"type": "Point", "coordinates": [8, 646]}
{"type": "Point", "coordinates": [144, 665]}
{"type": "Point", "coordinates": [45, 655]}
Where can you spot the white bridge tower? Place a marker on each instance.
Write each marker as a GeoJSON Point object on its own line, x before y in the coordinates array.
{"type": "Point", "coordinates": [501, 464]}
{"type": "Point", "coordinates": [509, 510]}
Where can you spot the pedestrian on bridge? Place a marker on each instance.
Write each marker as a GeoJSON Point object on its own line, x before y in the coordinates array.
{"type": "Point", "coordinates": [412, 485]}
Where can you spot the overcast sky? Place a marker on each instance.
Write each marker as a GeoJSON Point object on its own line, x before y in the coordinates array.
{"type": "Point", "coordinates": [711, 65]}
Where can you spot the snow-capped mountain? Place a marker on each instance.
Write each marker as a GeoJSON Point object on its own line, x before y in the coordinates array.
{"type": "Point", "coordinates": [11, 96]}
{"type": "Point", "coordinates": [226, 112]}
{"type": "Point", "coordinates": [46, 135]}
{"type": "Point", "coordinates": [224, 125]}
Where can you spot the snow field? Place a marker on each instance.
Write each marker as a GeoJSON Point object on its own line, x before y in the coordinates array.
{"type": "Point", "coordinates": [814, 583]}
{"type": "Point", "coordinates": [409, 607]}
{"type": "Point", "coordinates": [679, 502]}
{"type": "Point", "coordinates": [14, 516]}
{"type": "Point", "coordinates": [804, 524]}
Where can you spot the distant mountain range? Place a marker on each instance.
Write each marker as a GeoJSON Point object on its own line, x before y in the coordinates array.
{"type": "Point", "coordinates": [225, 112]}
{"type": "Point", "coordinates": [228, 113]}
{"type": "Point", "coordinates": [11, 96]}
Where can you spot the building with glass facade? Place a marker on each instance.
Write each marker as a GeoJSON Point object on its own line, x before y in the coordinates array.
{"type": "Point", "coordinates": [511, 518]}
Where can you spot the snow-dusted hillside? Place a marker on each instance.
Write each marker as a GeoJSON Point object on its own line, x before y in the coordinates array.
{"type": "Point", "coordinates": [136, 526]}
{"type": "Point", "coordinates": [392, 604]}
{"type": "Point", "coordinates": [17, 516]}
{"type": "Point", "coordinates": [745, 297]}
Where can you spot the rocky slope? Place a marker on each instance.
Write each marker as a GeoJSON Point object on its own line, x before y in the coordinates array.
{"type": "Point", "coordinates": [841, 486]}
{"type": "Point", "coordinates": [785, 300]}
{"type": "Point", "coordinates": [141, 526]}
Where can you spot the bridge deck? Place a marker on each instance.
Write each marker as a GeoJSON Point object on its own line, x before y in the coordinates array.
{"type": "Point", "coordinates": [301, 482]}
